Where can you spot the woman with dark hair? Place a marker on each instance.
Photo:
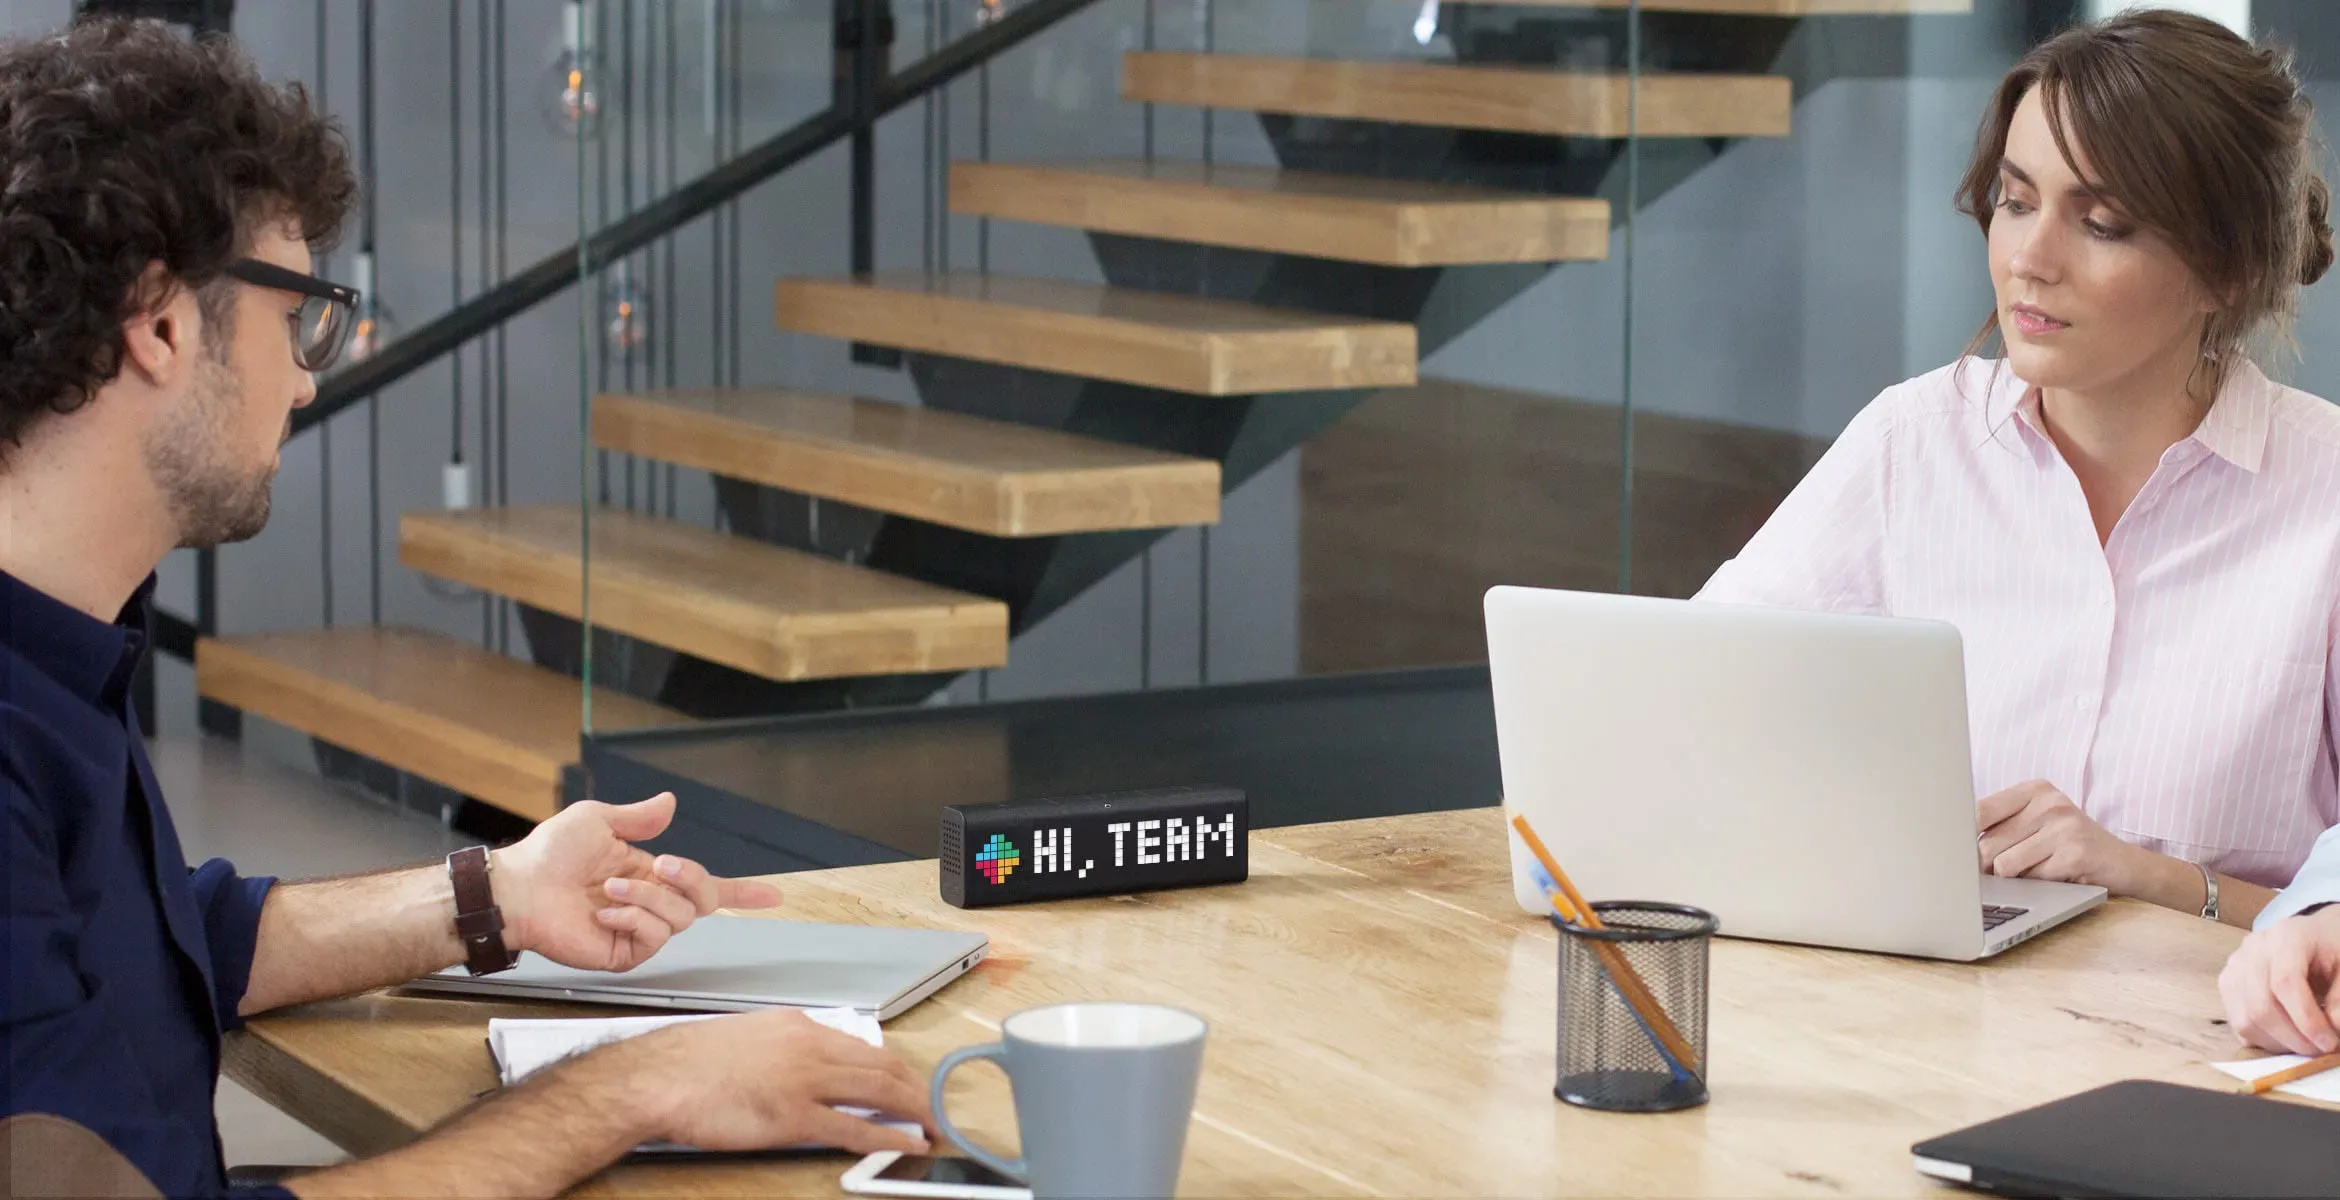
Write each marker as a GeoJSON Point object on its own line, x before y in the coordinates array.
{"type": "Point", "coordinates": [2134, 529]}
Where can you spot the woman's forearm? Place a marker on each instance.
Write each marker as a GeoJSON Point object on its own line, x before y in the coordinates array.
{"type": "Point", "coordinates": [2176, 883]}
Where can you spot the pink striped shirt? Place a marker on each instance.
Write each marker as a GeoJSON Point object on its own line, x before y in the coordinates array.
{"type": "Point", "coordinates": [2180, 682]}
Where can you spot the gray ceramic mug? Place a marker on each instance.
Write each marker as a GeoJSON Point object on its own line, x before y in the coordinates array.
{"type": "Point", "coordinates": [1103, 1096]}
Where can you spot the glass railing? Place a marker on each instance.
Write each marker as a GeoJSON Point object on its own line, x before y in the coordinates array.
{"type": "Point", "coordinates": [1619, 413]}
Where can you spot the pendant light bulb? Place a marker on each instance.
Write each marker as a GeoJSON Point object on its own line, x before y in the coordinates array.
{"type": "Point", "coordinates": [373, 326]}
{"type": "Point", "coordinates": [625, 312]}
{"type": "Point", "coordinates": [570, 92]}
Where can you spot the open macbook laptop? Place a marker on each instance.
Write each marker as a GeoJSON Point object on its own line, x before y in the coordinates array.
{"type": "Point", "coordinates": [734, 964]}
{"type": "Point", "coordinates": [1803, 776]}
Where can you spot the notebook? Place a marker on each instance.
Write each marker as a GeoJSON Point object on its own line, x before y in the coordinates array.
{"type": "Point", "coordinates": [2324, 1087]}
{"type": "Point", "coordinates": [522, 1047]}
{"type": "Point", "coordinates": [2148, 1140]}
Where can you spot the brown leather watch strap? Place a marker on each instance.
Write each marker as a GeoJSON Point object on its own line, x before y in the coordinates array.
{"type": "Point", "coordinates": [477, 919]}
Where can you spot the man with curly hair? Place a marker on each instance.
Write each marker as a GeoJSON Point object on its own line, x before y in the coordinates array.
{"type": "Point", "coordinates": [158, 325]}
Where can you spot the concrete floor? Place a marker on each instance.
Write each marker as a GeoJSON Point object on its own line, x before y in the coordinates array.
{"type": "Point", "coordinates": [273, 818]}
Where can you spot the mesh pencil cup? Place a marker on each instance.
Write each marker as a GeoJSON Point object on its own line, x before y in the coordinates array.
{"type": "Point", "coordinates": [1611, 1055]}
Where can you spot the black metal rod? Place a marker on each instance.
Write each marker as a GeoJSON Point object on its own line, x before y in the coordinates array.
{"type": "Point", "coordinates": [501, 124]}
{"type": "Point", "coordinates": [207, 592]}
{"type": "Point", "coordinates": [366, 122]}
{"type": "Point", "coordinates": [455, 216]}
{"type": "Point", "coordinates": [325, 522]}
{"type": "Point", "coordinates": [325, 433]}
{"type": "Point", "coordinates": [172, 634]}
{"type": "Point", "coordinates": [597, 304]}
{"type": "Point", "coordinates": [721, 310]}
{"type": "Point", "coordinates": [983, 154]}
{"type": "Point", "coordinates": [373, 280]}
{"type": "Point", "coordinates": [862, 61]}
{"type": "Point", "coordinates": [729, 266]}
{"type": "Point", "coordinates": [1625, 452]}
{"type": "Point", "coordinates": [629, 292]}
{"type": "Point", "coordinates": [483, 458]}
{"type": "Point", "coordinates": [941, 143]}
{"type": "Point", "coordinates": [558, 272]}
{"type": "Point", "coordinates": [669, 347]}
{"type": "Point", "coordinates": [864, 48]}
{"type": "Point", "coordinates": [718, 124]}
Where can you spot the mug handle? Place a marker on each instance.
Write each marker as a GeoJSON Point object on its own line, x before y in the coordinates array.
{"type": "Point", "coordinates": [951, 1062]}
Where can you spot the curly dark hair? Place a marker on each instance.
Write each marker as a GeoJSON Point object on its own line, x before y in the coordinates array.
{"type": "Point", "coordinates": [123, 143]}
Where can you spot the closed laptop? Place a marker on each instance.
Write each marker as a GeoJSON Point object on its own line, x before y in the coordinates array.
{"type": "Point", "coordinates": [2148, 1140]}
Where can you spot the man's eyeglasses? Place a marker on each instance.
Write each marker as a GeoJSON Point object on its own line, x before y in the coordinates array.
{"type": "Point", "coordinates": [321, 325]}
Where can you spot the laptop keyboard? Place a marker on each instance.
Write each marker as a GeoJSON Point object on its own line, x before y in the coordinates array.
{"type": "Point", "coordinates": [1995, 915]}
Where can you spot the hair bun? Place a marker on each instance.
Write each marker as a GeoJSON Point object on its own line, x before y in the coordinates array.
{"type": "Point", "coordinates": [2319, 232]}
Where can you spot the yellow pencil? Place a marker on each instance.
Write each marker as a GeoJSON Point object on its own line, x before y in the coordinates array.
{"type": "Point", "coordinates": [1573, 908]}
{"type": "Point", "coordinates": [2313, 1066]}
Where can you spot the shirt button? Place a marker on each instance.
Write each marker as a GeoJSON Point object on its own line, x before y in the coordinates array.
{"type": "Point", "coordinates": [2080, 702]}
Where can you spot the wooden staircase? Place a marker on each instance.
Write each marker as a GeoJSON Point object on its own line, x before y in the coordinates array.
{"type": "Point", "coordinates": [1392, 222]}
{"type": "Point", "coordinates": [463, 717]}
{"type": "Point", "coordinates": [984, 476]}
{"type": "Point", "coordinates": [1536, 100]}
{"type": "Point", "coordinates": [1178, 343]}
{"type": "Point", "coordinates": [779, 613]}
{"type": "Point", "coordinates": [1064, 426]}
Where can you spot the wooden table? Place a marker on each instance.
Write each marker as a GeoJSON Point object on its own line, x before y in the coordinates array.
{"type": "Point", "coordinates": [1383, 1023]}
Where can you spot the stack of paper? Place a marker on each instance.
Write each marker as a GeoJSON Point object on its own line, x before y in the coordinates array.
{"type": "Point", "coordinates": [524, 1047]}
{"type": "Point", "coordinates": [2325, 1087]}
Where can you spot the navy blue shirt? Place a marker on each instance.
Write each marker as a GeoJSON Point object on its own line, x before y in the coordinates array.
{"type": "Point", "coordinates": [124, 966]}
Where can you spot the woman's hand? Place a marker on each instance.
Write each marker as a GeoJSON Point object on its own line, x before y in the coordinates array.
{"type": "Point", "coordinates": [2033, 831]}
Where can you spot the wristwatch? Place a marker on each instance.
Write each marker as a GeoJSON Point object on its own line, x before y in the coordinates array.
{"type": "Point", "coordinates": [478, 922]}
{"type": "Point", "coordinates": [2209, 892]}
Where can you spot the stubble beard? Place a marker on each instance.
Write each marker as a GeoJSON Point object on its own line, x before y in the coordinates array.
{"type": "Point", "coordinates": [215, 500]}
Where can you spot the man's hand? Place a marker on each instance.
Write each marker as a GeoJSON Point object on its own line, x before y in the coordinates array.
{"type": "Point", "coordinates": [757, 1081]}
{"type": "Point", "coordinates": [772, 1078]}
{"type": "Point", "coordinates": [2282, 987]}
{"type": "Point", "coordinates": [2034, 831]}
{"type": "Point", "coordinates": [577, 892]}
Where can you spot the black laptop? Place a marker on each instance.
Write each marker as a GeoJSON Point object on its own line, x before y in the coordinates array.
{"type": "Point", "coordinates": [2147, 1139]}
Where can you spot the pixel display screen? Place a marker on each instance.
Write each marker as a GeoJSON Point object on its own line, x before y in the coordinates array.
{"type": "Point", "coordinates": [1048, 849]}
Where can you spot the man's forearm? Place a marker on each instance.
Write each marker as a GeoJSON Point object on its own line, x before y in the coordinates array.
{"type": "Point", "coordinates": [335, 937]}
{"type": "Point", "coordinates": [536, 1139]}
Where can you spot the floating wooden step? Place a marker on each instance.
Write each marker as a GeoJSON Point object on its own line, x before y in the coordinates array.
{"type": "Point", "coordinates": [1536, 100]}
{"type": "Point", "coordinates": [966, 472]}
{"type": "Point", "coordinates": [773, 612]}
{"type": "Point", "coordinates": [1768, 8]}
{"type": "Point", "coordinates": [1182, 343]}
{"type": "Point", "coordinates": [1394, 222]}
{"type": "Point", "coordinates": [491, 727]}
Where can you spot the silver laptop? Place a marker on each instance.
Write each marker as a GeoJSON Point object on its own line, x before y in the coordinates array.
{"type": "Point", "coordinates": [1803, 776]}
{"type": "Point", "coordinates": [734, 964]}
